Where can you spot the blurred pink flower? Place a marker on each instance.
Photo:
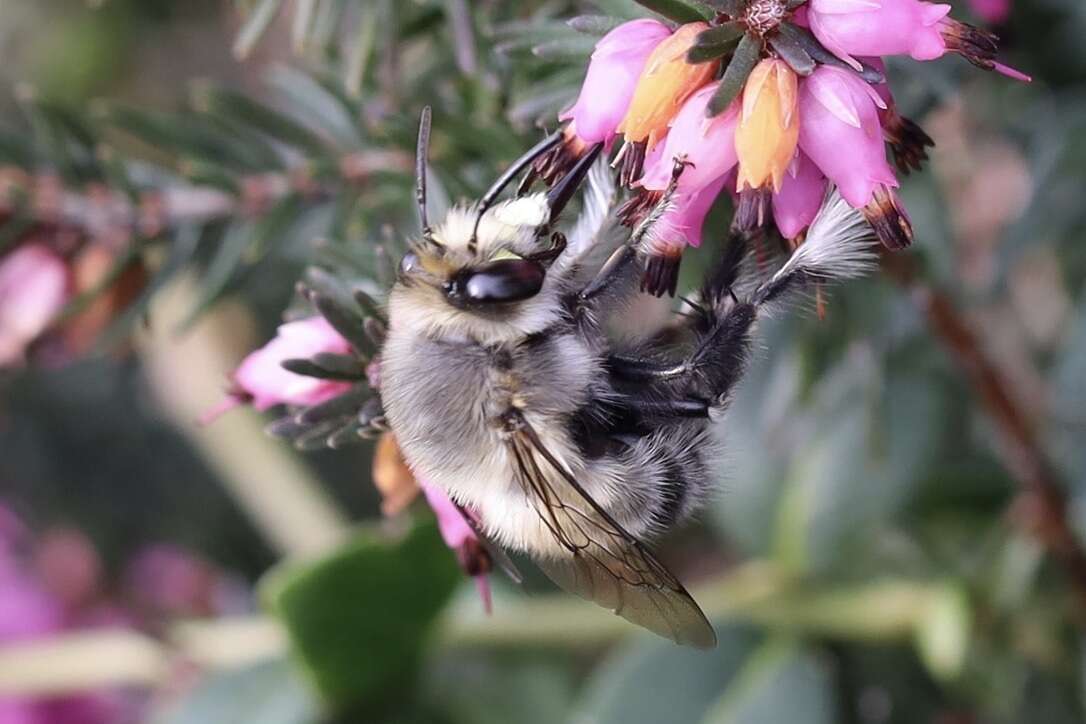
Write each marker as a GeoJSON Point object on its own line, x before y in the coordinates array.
{"type": "Point", "coordinates": [460, 537]}
{"type": "Point", "coordinates": [261, 380]}
{"type": "Point", "coordinates": [68, 566]}
{"type": "Point", "coordinates": [797, 203]}
{"type": "Point", "coordinates": [916, 28]}
{"type": "Point", "coordinates": [991, 11]}
{"type": "Point", "coordinates": [706, 144]}
{"type": "Point", "coordinates": [34, 287]}
{"type": "Point", "coordinates": [612, 75]}
{"type": "Point", "coordinates": [168, 580]}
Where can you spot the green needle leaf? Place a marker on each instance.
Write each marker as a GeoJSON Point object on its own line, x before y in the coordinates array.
{"type": "Point", "coordinates": [743, 62]}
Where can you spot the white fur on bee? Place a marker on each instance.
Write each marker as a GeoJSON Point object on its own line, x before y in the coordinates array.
{"type": "Point", "coordinates": [508, 224]}
{"type": "Point", "coordinates": [840, 244]}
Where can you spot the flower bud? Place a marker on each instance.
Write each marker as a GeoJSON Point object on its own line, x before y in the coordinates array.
{"type": "Point", "coordinates": [34, 287]}
{"type": "Point", "coordinates": [613, 72]}
{"type": "Point", "coordinates": [800, 197]}
{"type": "Point", "coordinates": [768, 130]}
{"type": "Point", "coordinates": [900, 27]}
{"type": "Point", "coordinates": [665, 83]}
{"type": "Point", "coordinates": [262, 379]}
{"type": "Point", "coordinates": [706, 144]}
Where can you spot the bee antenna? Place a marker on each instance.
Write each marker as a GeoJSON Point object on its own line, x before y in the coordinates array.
{"type": "Point", "coordinates": [422, 150]}
{"type": "Point", "coordinates": [510, 173]}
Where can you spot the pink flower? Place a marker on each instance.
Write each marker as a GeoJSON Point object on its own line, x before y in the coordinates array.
{"type": "Point", "coordinates": [612, 75]}
{"type": "Point", "coordinates": [706, 144]}
{"type": "Point", "coordinates": [840, 132]}
{"type": "Point", "coordinates": [33, 289]}
{"type": "Point", "coordinates": [797, 203]}
{"type": "Point", "coordinates": [991, 11]}
{"type": "Point", "coordinates": [262, 380]}
{"type": "Point", "coordinates": [166, 581]}
{"type": "Point", "coordinates": [461, 538]}
{"type": "Point", "coordinates": [900, 27]}
{"type": "Point", "coordinates": [680, 226]}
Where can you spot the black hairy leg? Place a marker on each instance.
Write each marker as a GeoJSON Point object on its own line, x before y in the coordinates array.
{"type": "Point", "coordinates": [721, 328]}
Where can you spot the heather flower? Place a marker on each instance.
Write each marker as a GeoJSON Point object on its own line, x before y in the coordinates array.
{"type": "Point", "coordinates": [391, 476]}
{"type": "Point", "coordinates": [613, 71]}
{"type": "Point", "coordinates": [461, 538]}
{"type": "Point", "coordinates": [664, 85]}
{"type": "Point", "coordinates": [679, 226]}
{"type": "Point", "coordinates": [261, 380]}
{"type": "Point", "coordinates": [768, 131]}
{"type": "Point", "coordinates": [923, 30]}
{"type": "Point", "coordinates": [34, 287]}
{"type": "Point", "coordinates": [840, 112]}
{"type": "Point", "coordinates": [706, 145]}
{"type": "Point", "coordinates": [800, 197]}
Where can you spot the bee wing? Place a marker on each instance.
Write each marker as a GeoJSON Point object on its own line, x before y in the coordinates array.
{"type": "Point", "coordinates": [496, 553]}
{"type": "Point", "coordinates": [605, 564]}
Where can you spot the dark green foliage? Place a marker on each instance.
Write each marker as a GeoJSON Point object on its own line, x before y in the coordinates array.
{"type": "Point", "coordinates": [336, 612]}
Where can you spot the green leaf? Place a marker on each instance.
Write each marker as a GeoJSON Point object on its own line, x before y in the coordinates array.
{"type": "Point", "coordinates": [650, 681]}
{"type": "Point", "coordinates": [595, 25]}
{"type": "Point", "coordinates": [944, 632]}
{"type": "Point", "coordinates": [715, 43]}
{"type": "Point", "coordinates": [729, 7]}
{"type": "Point", "coordinates": [680, 11]}
{"type": "Point", "coordinates": [359, 618]}
{"type": "Point", "coordinates": [239, 107]}
{"type": "Point", "coordinates": [267, 693]}
{"type": "Point", "coordinates": [793, 53]}
{"type": "Point", "coordinates": [810, 44]}
{"type": "Point", "coordinates": [779, 683]}
{"type": "Point", "coordinates": [735, 77]}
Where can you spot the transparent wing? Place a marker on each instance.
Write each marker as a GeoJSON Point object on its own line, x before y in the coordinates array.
{"type": "Point", "coordinates": [605, 564]}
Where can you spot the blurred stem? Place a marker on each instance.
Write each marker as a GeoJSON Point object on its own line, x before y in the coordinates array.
{"type": "Point", "coordinates": [42, 201]}
{"type": "Point", "coordinates": [264, 476]}
{"type": "Point", "coordinates": [1041, 508]}
{"type": "Point", "coordinates": [757, 593]}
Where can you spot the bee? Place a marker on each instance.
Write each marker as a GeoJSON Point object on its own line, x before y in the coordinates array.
{"type": "Point", "coordinates": [503, 388]}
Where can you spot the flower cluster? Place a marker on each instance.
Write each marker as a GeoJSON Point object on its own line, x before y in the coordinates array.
{"type": "Point", "coordinates": [305, 367]}
{"type": "Point", "coordinates": [772, 101]}
{"type": "Point", "coordinates": [53, 582]}
{"type": "Point", "coordinates": [37, 282]}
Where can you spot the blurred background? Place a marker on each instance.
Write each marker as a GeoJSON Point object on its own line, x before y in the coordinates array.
{"type": "Point", "coordinates": [901, 524]}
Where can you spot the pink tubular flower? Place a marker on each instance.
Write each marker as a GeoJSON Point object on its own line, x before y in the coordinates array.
{"type": "Point", "coordinates": [612, 75]}
{"type": "Point", "coordinates": [34, 287]}
{"type": "Point", "coordinates": [900, 27]}
{"type": "Point", "coordinates": [840, 113]}
{"type": "Point", "coordinates": [460, 537]}
{"type": "Point", "coordinates": [797, 203]}
{"type": "Point", "coordinates": [840, 132]}
{"type": "Point", "coordinates": [707, 145]}
{"type": "Point", "coordinates": [262, 380]}
{"type": "Point", "coordinates": [609, 84]}
{"type": "Point", "coordinates": [679, 226]}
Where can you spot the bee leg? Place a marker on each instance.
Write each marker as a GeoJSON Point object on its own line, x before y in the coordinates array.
{"type": "Point", "coordinates": [610, 272]}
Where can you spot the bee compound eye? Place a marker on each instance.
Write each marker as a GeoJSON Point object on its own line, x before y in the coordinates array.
{"type": "Point", "coordinates": [500, 282]}
{"type": "Point", "coordinates": [409, 263]}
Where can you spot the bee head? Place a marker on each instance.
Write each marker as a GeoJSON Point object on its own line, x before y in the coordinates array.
{"type": "Point", "coordinates": [489, 268]}
{"type": "Point", "coordinates": [486, 268]}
